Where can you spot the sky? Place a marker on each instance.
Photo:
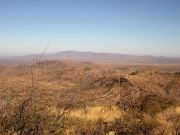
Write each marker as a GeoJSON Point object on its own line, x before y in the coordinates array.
{"type": "Point", "coordinates": [140, 27]}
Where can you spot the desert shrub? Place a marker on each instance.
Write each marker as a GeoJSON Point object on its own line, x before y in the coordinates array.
{"type": "Point", "coordinates": [140, 115]}
{"type": "Point", "coordinates": [151, 104]}
{"type": "Point", "coordinates": [28, 117]}
{"type": "Point", "coordinates": [131, 125]}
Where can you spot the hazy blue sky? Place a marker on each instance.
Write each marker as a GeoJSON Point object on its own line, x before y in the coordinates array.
{"type": "Point", "coordinates": [149, 27]}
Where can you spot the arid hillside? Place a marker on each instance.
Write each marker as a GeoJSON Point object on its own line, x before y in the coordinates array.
{"type": "Point", "coordinates": [148, 90]}
{"type": "Point", "coordinates": [96, 80]}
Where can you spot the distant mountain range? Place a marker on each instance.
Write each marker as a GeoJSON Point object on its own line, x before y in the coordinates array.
{"type": "Point", "coordinates": [105, 58]}
{"type": "Point", "coordinates": [114, 58]}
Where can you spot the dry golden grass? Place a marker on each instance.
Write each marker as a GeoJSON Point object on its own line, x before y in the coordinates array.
{"type": "Point", "coordinates": [166, 117]}
{"type": "Point", "coordinates": [177, 110]}
{"type": "Point", "coordinates": [106, 113]}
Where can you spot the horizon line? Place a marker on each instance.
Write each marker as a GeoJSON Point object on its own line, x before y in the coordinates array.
{"type": "Point", "coordinates": [100, 52]}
